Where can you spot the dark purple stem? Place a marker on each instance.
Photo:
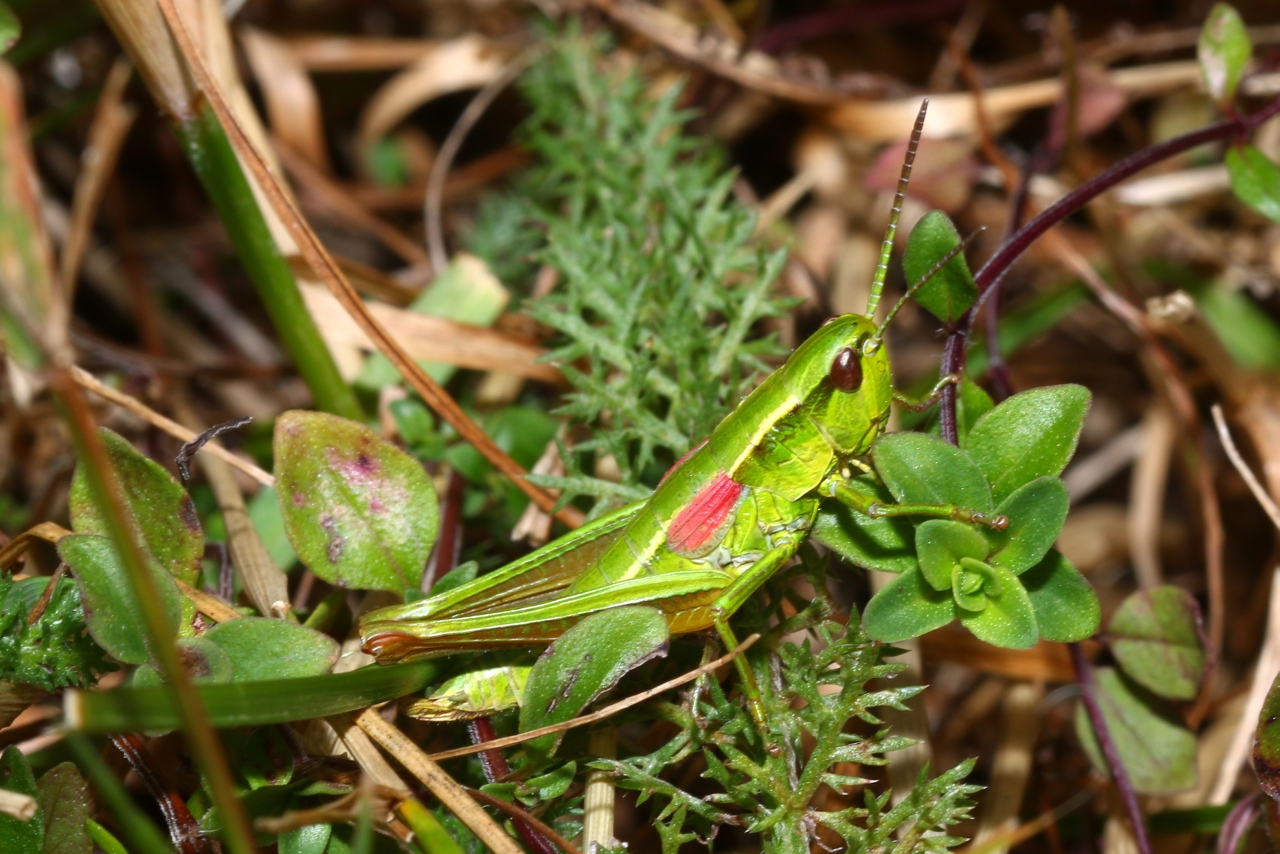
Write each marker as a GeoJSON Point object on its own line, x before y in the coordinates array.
{"type": "Point", "coordinates": [1239, 822]}
{"type": "Point", "coordinates": [1089, 693]}
{"type": "Point", "coordinates": [495, 769]}
{"type": "Point", "coordinates": [989, 277]}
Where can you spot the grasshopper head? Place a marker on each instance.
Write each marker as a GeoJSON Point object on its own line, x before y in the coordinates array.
{"type": "Point", "coordinates": [841, 378]}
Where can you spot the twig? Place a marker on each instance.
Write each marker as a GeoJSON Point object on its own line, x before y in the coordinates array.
{"type": "Point", "coordinates": [449, 149]}
{"type": "Point", "coordinates": [168, 425]}
{"type": "Point", "coordinates": [1250, 479]}
{"type": "Point", "coordinates": [606, 712]}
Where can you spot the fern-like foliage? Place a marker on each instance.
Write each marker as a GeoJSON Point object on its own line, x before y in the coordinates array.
{"type": "Point", "coordinates": [659, 291]}
{"type": "Point", "coordinates": [54, 652]}
{"type": "Point", "coordinates": [771, 792]}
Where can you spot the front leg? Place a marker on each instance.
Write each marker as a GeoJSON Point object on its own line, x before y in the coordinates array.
{"type": "Point", "coordinates": [923, 403]}
{"type": "Point", "coordinates": [838, 488]}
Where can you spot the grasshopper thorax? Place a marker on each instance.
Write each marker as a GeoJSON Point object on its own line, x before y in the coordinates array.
{"type": "Point", "coordinates": [841, 380]}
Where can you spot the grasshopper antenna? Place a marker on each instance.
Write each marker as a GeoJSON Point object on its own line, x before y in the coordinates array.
{"type": "Point", "coordinates": [886, 248]}
{"type": "Point", "coordinates": [924, 280]}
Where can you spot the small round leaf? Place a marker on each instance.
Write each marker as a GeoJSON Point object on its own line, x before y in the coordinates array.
{"type": "Point", "coordinates": [1156, 642]}
{"type": "Point", "coordinates": [907, 607]}
{"type": "Point", "coordinates": [920, 469]}
{"type": "Point", "coordinates": [1255, 180]}
{"type": "Point", "coordinates": [260, 648]}
{"type": "Point", "coordinates": [163, 510]}
{"type": "Point", "coordinates": [359, 511]}
{"type": "Point", "coordinates": [1066, 607]}
{"type": "Point", "coordinates": [1223, 52]}
{"type": "Point", "coordinates": [940, 545]}
{"type": "Point", "coordinates": [1037, 512]}
{"type": "Point", "coordinates": [1009, 620]}
{"type": "Point", "coordinates": [1030, 435]}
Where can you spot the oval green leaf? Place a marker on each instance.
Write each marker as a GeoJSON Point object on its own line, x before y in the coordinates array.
{"type": "Point", "coordinates": [907, 607]}
{"type": "Point", "coordinates": [950, 290]}
{"type": "Point", "coordinates": [940, 544]}
{"type": "Point", "coordinates": [1156, 642]}
{"type": "Point", "coordinates": [920, 469]}
{"type": "Point", "coordinates": [1223, 52]}
{"type": "Point", "coordinates": [261, 648]}
{"type": "Point", "coordinates": [1030, 435]}
{"type": "Point", "coordinates": [1009, 620]}
{"type": "Point", "coordinates": [1066, 607]}
{"type": "Point", "coordinates": [1255, 180]}
{"type": "Point", "coordinates": [586, 661]}
{"type": "Point", "coordinates": [1157, 749]}
{"type": "Point", "coordinates": [110, 610]}
{"type": "Point", "coordinates": [165, 515]}
{"type": "Point", "coordinates": [64, 799]}
{"type": "Point", "coordinates": [359, 511]}
{"type": "Point", "coordinates": [1037, 512]}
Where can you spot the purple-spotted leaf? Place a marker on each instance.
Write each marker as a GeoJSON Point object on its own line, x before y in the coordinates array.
{"type": "Point", "coordinates": [205, 662]}
{"type": "Point", "coordinates": [1030, 435]}
{"type": "Point", "coordinates": [586, 661]}
{"type": "Point", "coordinates": [1223, 52]}
{"type": "Point", "coordinates": [1066, 607]}
{"type": "Point", "coordinates": [359, 511]}
{"type": "Point", "coordinates": [260, 648]}
{"type": "Point", "coordinates": [1255, 180]}
{"type": "Point", "coordinates": [919, 469]}
{"type": "Point", "coordinates": [940, 544]}
{"type": "Point", "coordinates": [951, 289]}
{"type": "Point", "coordinates": [110, 610]}
{"type": "Point", "coordinates": [1008, 620]}
{"type": "Point", "coordinates": [907, 607]}
{"type": "Point", "coordinates": [166, 517]}
{"type": "Point", "coordinates": [1157, 749]}
{"type": "Point", "coordinates": [64, 800]}
{"type": "Point", "coordinates": [1266, 746]}
{"type": "Point", "coordinates": [1037, 512]}
{"type": "Point", "coordinates": [1156, 641]}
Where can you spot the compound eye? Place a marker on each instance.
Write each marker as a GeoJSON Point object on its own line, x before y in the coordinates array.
{"type": "Point", "coordinates": [846, 370]}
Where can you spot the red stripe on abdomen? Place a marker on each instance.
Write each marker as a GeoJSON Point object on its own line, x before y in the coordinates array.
{"type": "Point", "coordinates": [705, 516]}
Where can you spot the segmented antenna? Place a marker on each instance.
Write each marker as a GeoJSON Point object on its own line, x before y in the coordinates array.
{"type": "Point", "coordinates": [924, 280]}
{"type": "Point", "coordinates": [886, 248]}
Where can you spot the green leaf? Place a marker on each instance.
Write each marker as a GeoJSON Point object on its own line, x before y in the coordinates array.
{"type": "Point", "coordinates": [1155, 640]}
{"type": "Point", "coordinates": [1066, 607]}
{"type": "Point", "coordinates": [1157, 749]}
{"type": "Point", "coordinates": [1037, 512]}
{"type": "Point", "coordinates": [166, 518]}
{"type": "Point", "coordinates": [1009, 620]}
{"type": "Point", "coordinates": [920, 469]}
{"type": "Point", "coordinates": [907, 607]}
{"type": "Point", "coordinates": [64, 800]}
{"type": "Point", "coordinates": [972, 403]}
{"type": "Point", "coordinates": [1223, 52]}
{"type": "Point", "coordinates": [586, 661]}
{"type": "Point", "coordinates": [1266, 746]}
{"type": "Point", "coordinates": [110, 610]}
{"type": "Point", "coordinates": [940, 544]}
{"type": "Point", "coordinates": [250, 703]}
{"type": "Point", "coordinates": [204, 661]}
{"type": "Point", "coordinates": [310, 839]}
{"type": "Point", "coordinates": [951, 290]}
{"type": "Point", "coordinates": [10, 28]}
{"type": "Point", "coordinates": [1030, 435]}
{"type": "Point", "coordinates": [261, 648]}
{"type": "Point", "coordinates": [1255, 180]}
{"type": "Point", "coordinates": [359, 511]}
{"type": "Point", "coordinates": [18, 836]}
{"type": "Point", "coordinates": [883, 544]}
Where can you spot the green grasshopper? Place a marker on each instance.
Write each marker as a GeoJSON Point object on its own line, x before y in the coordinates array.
{"type": "Point", "coordinates": [723, 520]}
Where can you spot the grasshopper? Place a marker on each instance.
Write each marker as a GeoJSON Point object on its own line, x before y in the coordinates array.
{"type": "Point", "coordinates": [724, 519]}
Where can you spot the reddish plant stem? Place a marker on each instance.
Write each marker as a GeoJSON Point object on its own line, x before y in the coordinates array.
{"type": "Point", "coordinates": [993, 271]}
{"type": "Point", "coordinates": [495, 769]}
{"type": "Point", "coordinates": [1089, 693]}
{"type": "Point", "coordinates": [184, 831]}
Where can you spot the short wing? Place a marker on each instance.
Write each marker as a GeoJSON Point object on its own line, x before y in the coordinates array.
{"type": "Point", "coordinates": [534, 577]}
{"type": "Point", "coordinates": [685, 597]}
